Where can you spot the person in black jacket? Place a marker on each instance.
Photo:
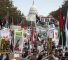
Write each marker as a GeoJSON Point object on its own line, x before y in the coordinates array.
{"type": "Point", "coordinates": [40, 56]}
{"type": "Point", "coordinates": [66, 53]}
{"type": "Point", "coordinates": [7, 57]}
{"type": "Point", "coordinates": [25, 50]}
{"type": "Point", "coordinates": [1, 56]}
{"type": "Point", "coordinates": [1, 24]}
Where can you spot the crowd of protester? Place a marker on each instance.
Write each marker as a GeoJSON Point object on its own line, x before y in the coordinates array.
{"type": "Point", "coordinates": [40, 52]}
{"type": "Point", "coordinates": [4, 56]}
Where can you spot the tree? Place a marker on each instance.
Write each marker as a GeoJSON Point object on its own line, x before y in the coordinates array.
{"type": "Point", "coordinates": [64, 10]}
{"type": "Point", "coordinates": [8, 9]}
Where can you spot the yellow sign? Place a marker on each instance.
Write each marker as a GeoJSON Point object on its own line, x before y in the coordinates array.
{"type": "Point", "coordinates": [19, 33]}
{"type": "Point", "coordinates": [4, 46]}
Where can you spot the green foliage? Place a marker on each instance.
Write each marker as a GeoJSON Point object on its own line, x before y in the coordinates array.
{"type": "Point", "coordinates": [29, 23]}
{"type": "Point", "coordinates": [7, 8]}
{"type": "Point", "coordinates": [55, 14]}
{"type": "Point", "coordinates": [63, 8]}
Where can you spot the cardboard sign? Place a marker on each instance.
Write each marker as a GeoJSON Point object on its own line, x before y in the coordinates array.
{"type": "Point", "coordinates": [18, 41]}
{"type": "Point", "coordinates": [4, 46]}
{"type": "Point", "coordinates": [4, 40]}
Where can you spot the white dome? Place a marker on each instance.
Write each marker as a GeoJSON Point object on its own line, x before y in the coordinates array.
{"type": "Point", "coordinates": [33, 10]}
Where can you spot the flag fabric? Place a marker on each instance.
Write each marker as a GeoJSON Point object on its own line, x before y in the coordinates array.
{"type": "Point", "coordinates": [60, 36]}
{"type": "Point", "coordinates": [61, 28]}
{"type": "Point", "coordinates": [66, 29]}
{"type": "Point", "coordinates": [60, 20]}
{"type": "Point", "coordinates": [67, 21]}
{"type": "Point", "coordinates": [63, 32]}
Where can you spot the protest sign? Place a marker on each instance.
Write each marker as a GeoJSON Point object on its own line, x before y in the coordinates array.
{"type": "Point", "coordinates": [18, 41]}
{"type": "Point", "coordinates": [4, 40]}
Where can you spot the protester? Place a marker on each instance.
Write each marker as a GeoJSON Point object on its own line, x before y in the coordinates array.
{"type": "Point", "coordinates": [7, 57]}
{"type": "Point", "coordinates": [1, 56]}
{"type": "Point", "coordinates": [33, 57]}
{"type": "Point", "coordinates": [11, 47]}
{"type": "Point", "coordinates": [40, 56]}
{"type": "Point", "coordinates": [66, 53]}
{"type": "Point", "coordinates": [0, 24]}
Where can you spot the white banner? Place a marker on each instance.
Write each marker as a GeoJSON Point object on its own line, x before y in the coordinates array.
{"type": "Point", "coordinates": [5, 33]}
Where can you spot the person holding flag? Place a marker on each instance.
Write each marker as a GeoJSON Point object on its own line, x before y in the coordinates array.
{"type": "Point", "coordinates": [61, 26]}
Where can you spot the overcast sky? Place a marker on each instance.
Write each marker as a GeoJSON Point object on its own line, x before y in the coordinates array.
{"type": "Point", "coordinates": [44, 7]}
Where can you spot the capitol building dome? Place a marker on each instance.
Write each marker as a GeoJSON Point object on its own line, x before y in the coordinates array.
{"type": "Point", "coordinates": [32, 13]}
{"type": "Point", "coordinates": [33, 9]}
